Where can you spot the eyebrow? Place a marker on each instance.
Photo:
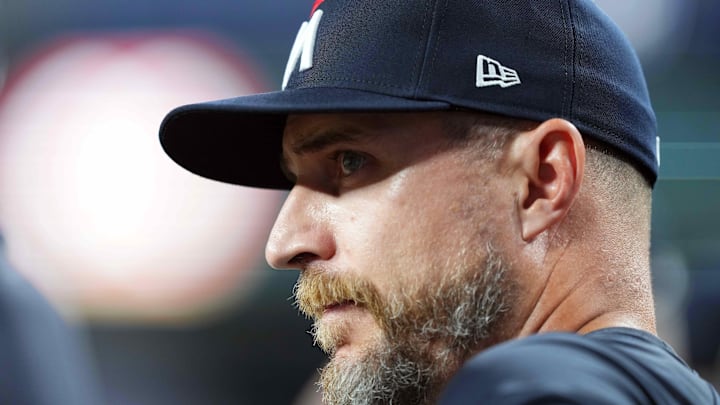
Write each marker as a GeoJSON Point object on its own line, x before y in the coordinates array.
{"type": "Point", "coordinates": [322, 140]}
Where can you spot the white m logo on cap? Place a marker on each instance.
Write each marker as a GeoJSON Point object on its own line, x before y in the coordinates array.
{"type": "Point", "coordinates": [491, 73]}
{"type": "Point", "coordinates": [303, 48]}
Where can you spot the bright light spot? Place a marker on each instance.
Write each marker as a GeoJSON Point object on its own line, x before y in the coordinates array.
{"type": "Point", "coordinates": [94, 211]}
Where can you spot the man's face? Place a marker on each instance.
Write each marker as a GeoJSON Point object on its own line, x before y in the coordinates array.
{"type": "Point", "coordinates": [396, 237]}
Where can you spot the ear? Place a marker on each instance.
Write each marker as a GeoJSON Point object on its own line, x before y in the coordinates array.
{"type": "Point", "coordinates": [549, 163]}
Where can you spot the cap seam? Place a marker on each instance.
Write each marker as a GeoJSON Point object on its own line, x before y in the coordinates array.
{"type": "Point", "coordinates": [575, 61]}
{"type": "Point", "coordinates": [340, 81]}
{"type": "Point", "coordinates": [422, 53]}
{"type": "Point", "coordinates": [568, 83]}
{"type": "Point", "coordinates": [430, 66]}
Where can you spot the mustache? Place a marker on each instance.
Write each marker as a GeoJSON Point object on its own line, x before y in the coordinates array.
{"type": "Point", "coordinates": [317, 290]}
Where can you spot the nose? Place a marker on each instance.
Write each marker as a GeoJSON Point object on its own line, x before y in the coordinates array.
{"type": "Point", "coordinates": [302, 232]}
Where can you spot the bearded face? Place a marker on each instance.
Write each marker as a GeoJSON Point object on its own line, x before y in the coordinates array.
{"type": "Point", "coordinates": [425, 332]}
{"type": "Point", "coordinates": [390, 224]}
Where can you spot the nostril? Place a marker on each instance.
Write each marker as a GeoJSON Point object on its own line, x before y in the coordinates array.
{"type": "Point", "coordinates": [302, 259]}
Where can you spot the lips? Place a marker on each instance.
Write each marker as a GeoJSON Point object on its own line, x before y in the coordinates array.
{"type": "Point", "coordinates": [338, 305]}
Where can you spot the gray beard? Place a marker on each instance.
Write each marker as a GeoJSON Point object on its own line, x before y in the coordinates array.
{"type": "Point", "coordinates": [429, 335]}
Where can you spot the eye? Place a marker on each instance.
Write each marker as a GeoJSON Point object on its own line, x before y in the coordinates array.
{"type": "Point", "coordinates": [350, 162]}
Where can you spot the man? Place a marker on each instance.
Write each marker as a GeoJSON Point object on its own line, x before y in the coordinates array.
{"type": "Point", "coordinates": [469, 203]}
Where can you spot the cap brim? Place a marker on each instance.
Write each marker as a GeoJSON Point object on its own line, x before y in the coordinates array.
{"type": "Point", "coordinates": [239, 140]}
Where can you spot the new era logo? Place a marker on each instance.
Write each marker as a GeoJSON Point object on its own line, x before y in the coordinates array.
{"type": "Point", "coordinates": [491, 73]}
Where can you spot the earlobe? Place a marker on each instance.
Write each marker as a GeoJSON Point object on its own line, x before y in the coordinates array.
{"type": "Point", "coordinates": [550, 160]}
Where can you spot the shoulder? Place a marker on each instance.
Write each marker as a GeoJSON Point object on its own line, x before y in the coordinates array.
{"type": "Point", "coordinates": [535, 369]}
{"type": "Point", "coordinates": [47, 357]}
{"type": "Point", "coordinates": [615, 366]}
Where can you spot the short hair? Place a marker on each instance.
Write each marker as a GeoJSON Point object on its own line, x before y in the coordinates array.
{"type": "Point", "coordinates": [486, 133]}
{"type": "Point", "coordinates": [607, 171]}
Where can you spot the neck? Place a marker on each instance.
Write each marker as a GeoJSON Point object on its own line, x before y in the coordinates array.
{"type": "Point", "coordinates": [580, 297]}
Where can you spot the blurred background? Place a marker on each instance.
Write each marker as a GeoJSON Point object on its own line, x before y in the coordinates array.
{"type": "Point", "coordinates": [163, 272]}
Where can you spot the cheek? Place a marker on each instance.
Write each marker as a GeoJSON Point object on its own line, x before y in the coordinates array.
{"type": "Point", "coordinates": [379, 237]}
{"type": "Point", "coordinates": [396, 236]}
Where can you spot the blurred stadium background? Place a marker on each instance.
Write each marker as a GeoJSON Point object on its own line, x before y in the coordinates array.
{"type": "Point", "coordinates": [164, 272]}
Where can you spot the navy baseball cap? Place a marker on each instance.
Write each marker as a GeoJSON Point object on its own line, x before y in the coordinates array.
{"type": "Point", "coordinates": [528, 59]}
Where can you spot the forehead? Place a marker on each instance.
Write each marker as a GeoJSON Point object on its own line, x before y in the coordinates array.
{"type": "Point", "coordinates": [301, 129]}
